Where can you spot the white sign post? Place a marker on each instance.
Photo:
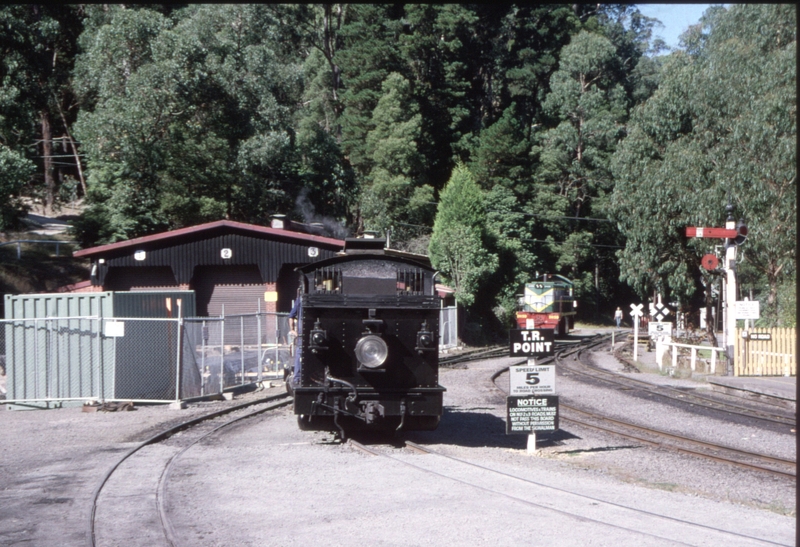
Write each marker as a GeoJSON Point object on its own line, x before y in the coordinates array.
{"type": "Point", "coordinates": [532, 379]}
{"type": "Point", "coordinates": [636, 313]}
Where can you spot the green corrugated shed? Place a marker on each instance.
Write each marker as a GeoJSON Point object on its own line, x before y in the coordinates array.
{"type": "Point", "coordinates": [54, 353]}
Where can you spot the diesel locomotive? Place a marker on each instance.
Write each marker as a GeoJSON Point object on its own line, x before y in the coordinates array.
{"type": "Point", "coordinates": [369, 356]}
{"type": "Point", "coordinates": [547, 304]}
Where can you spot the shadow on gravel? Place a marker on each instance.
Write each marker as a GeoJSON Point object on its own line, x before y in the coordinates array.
{"type": "Point", "coordinates": [598, 449]}
{"type": "Point", "coordinates": [476, 429]}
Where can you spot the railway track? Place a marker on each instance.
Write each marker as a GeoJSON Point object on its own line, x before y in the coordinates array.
{"type": "Point", "coordinates": [118, 495]}
{"type": "Point", "coordinates": [580, 367]}
{"type": "Point", "coordinates": [780, 467]}
{"type": "Point", "coordinates": [681, 443]}
{"type": "Point", "coordinates": [518, 489]}
{"type": "Point", "coordinates": [473, 355]}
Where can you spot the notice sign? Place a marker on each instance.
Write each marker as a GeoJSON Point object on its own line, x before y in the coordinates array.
{"type": "Point", "coordinates": [526, 415]}
{"type": "Point", "coordinates": [531, 342]}
{"type": "Point", "coordinates": [746, 309]}
{"type": "Point", "coordinates": [532, 380]}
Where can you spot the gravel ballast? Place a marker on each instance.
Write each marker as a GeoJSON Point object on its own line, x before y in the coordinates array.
{"type": "Point", "coordinates": [267, 483]}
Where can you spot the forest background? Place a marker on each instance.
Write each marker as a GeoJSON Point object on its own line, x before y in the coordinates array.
{"type": "Point", "coordinates": [505, 141]}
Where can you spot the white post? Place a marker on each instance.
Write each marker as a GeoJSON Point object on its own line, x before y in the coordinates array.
{"type": "Point", "coordinates": [531, 443]}
{"type": "Point", "coordinates": [531, 363]}
{"type": "Point", "coordinates": [713, 360]}
{"type": "Point", "coordinates": [730, 294]}
{"type": "Point", "coordinates": [636, 313]}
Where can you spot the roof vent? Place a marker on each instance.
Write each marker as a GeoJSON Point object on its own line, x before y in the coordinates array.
{"type": "Point", "coordinates": [279, 222]}
{"type": "Point", "coordinates": [355, 245]}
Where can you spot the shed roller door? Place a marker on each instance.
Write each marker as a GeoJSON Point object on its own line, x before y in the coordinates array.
{"type": "Point", "coordinates": [239, 289]}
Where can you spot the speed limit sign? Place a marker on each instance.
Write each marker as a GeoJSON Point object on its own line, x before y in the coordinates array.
{"type": "Point", "coordinates": [659, 328]}
{"type": "Point", "coordinates": [532, 380]}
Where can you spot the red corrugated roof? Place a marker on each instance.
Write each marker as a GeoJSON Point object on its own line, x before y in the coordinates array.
{"type": "Point", "coordinates": [210, 226]}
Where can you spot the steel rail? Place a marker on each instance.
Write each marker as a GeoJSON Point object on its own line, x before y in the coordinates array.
{"type": "Point", "coordinates": [684, 439]}
{"type": "Point", "coordinates": [425, 450]}
{"type": "Point", "coordinates": [559, 357]}
{"type": "Point", "coordinates": [682, 396]}
{"type": "Point", "coordinates": [524, 501]}
{"type": "Point", "coordinates": [166, 524]}
{"type": "Point", "coordinates": [167, 433]}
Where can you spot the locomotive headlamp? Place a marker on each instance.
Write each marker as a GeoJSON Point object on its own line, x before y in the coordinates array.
{"type": "Point", "coordinates": [371, 351]}
{"type": "Point", "coordinates": [424, 339]}
{"type": "Point", "coordinates": [317, 338]}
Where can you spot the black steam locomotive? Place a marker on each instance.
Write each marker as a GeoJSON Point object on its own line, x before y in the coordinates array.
{"type": "Point", "coordinates": [369, 354]}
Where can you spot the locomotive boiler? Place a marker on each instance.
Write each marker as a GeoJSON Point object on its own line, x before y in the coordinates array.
{"type": "Point", "coordinates": [369, 354]}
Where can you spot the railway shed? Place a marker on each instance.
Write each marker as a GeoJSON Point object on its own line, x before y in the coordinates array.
{"type": "Point", "coordinates": [232, 266]}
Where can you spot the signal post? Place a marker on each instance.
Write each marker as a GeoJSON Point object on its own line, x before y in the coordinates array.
{"type": "Point", "coordinates": [734, 233]}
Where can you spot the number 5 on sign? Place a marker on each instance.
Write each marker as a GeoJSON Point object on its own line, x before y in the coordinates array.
{"type": "Point", "coordinates": [532, 380]}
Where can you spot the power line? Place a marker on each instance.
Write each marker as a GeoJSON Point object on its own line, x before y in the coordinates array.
{"type": "Point", "coordinates": [568, 218]}
{"type": "Point", "coordinates": [563, 242]}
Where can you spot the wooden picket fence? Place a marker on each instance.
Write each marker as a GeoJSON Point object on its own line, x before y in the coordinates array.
{"type": "Point", "coordinates": [775, 357]}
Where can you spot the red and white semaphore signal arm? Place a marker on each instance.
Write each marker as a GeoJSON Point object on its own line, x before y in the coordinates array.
{"type": "Point", "coordinates": [736, 235]}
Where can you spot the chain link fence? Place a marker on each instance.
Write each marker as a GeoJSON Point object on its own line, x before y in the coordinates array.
{"type": "Point", "coordinates": [223, 352]}
{"type": "Point", "coordinates": [52, 361]}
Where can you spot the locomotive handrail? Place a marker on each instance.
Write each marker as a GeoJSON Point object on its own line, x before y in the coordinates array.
{"type": "Point", "coordinates": [353, 397]}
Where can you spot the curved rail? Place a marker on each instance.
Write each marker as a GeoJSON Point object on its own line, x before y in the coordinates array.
{"type": "Point", "coordinates": [582, 517]}
{"type": "Point", "coordinates": [281, 399]}
{"type": "Point", "coordinates": [753, 456]}
{"type": "Point", "coordinates": [699, 444]}
{"type": "Point", "coordinates": [670, 392]}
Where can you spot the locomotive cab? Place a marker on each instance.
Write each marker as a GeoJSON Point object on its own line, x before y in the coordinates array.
{"type": "Point", "coordinates": [369, 345]}
{"type": "Point", "coordinates": [547, 304]}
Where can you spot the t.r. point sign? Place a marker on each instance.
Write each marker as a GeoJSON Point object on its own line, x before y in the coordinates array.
{"type": "Point", "coordinates": [531, 342]}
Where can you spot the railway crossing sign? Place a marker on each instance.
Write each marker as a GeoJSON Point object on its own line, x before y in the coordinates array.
{"type": "Point", "coordinates": [531, 342]}
{"type": "Point", "coordinates": [658, 310]}
{"type": "Point", "coordinates": [636, 310]}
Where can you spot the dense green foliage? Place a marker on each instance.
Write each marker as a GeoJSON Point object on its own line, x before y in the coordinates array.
{"type": "Point", "coordinates": [721, 127]}
{"type": "Point", "coordinates": [503, 140]}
